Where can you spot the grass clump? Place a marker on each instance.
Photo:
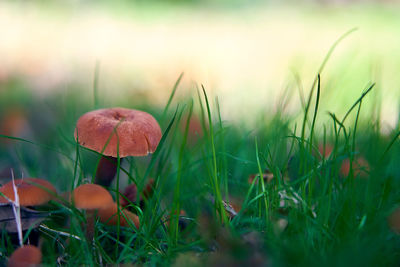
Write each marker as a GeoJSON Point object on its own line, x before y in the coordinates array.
{"type": "Point", "coordinates": [282, 193]}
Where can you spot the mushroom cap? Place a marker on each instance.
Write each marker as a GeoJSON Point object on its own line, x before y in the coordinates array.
{"type": "Point", "coordinates": [13, 123]}
{"type": "Point", "coordinates": [108, 215]}
{"type": "Point", "coordinates": [31, 191]}
{"type": "Point", "coordinates": [138, 132]}
{"type": "Point", "coordinates": [325, 150]}
{"type": "Point", "coordinates": [27, 255]}
{"type": "Point", "coordinates": [91, 196]}
{"type": "Point", "coordinates": [360, 167]}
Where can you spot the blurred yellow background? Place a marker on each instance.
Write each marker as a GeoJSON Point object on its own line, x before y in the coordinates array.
{"type": "Point", "coordinates": [247, 55]}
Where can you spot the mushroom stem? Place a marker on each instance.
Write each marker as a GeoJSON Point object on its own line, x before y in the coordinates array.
{"type": "Point", "coordinates": [106, 170]}
{"type": "Point", "coordinates": [90, 197]}
{"type": "Point", "coordinates": [90, 222]}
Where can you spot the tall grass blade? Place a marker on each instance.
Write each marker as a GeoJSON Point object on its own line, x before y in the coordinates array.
{"type": "Point", "coordinates": [171, 96]}
{"type": "Point", "coordinates": [217, 192]}
{"type": "Point", "coordinates": [96, 85]}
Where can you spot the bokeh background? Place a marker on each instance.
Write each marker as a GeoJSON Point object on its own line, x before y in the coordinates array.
{"type": "Point", "coordinates": [254, 55]}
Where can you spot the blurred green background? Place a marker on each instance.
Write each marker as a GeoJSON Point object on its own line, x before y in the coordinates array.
{"type": "Point", "coordinates": [251, 54]}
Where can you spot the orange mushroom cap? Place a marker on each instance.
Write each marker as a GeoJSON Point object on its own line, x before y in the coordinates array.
{"type": "Point", "coordinates": [108, 215]}
{"type": "Point", "coordinates": [138, 132]}
{"type": "Point", "coordinates": [325, 150]}
{"type": "Point", "coordinates": [91, 196]}
{"type": "Point", "coordinates": [25, 256]}
{"type": "Point", "coordinates": [360, 167]}
{"type": "Point", "coordinates": [13, 123]}
{"type": "Point", "coordinates": [31, 191]}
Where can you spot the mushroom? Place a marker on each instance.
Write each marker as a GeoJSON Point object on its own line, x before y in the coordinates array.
{"type": "Point", "coordinates": [130, 194]}
{"type": "Point", "coordinates": [13, 123]}
{"type": "Point", "coordinates": [195, 128]}
{"type": "Point", "coordinates": [31, 191]}
{"type": "Point", "coordinates": [117, 132]}
{"type": "Point", "coordinates": [108, 215]}
{"type": "Point", "coordinates": [91, 197]}
{"type": "Point", "coordinates": [27, 255]}
{"type": "Point", "coordinates": [325, 150]}
{"type": "Point", "coordinates": [360, 167]}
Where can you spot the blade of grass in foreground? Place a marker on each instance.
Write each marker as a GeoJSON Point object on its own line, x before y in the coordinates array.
{"type": "Point", "coordinates": [310, 148]}
{"type": "Point", "coordinates": [96, 85]}
{"type": "Point", "coordinates": [175, 212]}
{"type": "Point", "coordinates": [37, 144]}
{"type": "Point", "coordinates": [78, 161]}
{"type": "Point", "coordinates": [394, 139]}
{"type": "Point", "coordinates": [172, 95]}
{"type": "Point", "coordinates": [261, 181]}
{"type": "Point", "coordinates": [218, 198]}
{"type": "Point", "coordinates": [321, 68]}
{"type": "Point", "coordinates": [160, 145]}
{"type": "Point", "coordinates": [224, 162]}
{"type": "Point", "coordinates": [364, 94]}
{"type": "Point", "coordinates": [114, 132]}
{"type": "Point", "coordinates": [303, 159]}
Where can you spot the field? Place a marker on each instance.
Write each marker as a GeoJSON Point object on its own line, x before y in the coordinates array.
{"type": "Point", "coordinates": [303, 182]}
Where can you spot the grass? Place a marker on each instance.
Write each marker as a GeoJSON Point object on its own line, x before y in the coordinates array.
{"type": "Point", "coordinates": [310, 213]}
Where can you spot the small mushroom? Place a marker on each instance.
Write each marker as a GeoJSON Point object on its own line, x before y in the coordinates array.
{"type": "Point", "coordinates": [130, 194]}
{"type": "Point", "coordinates": [27, 255]}
{"type": "Point", "coordinates": [13, 123]}
{"type": "Point", "coordinates": [360, 167]}
{"type": "Point", "coordinates": [108, 215]}
{"type": "Point", "coordinates": [117, 131]}
{"type": "Point", "coordinates": [31, 191]}
{"type": "Point", "coordinates": [91, 197]}
{"type": "Point", "coordinates": [325, 150]}
{"type": "Point", "coordinates": [195, 128]}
